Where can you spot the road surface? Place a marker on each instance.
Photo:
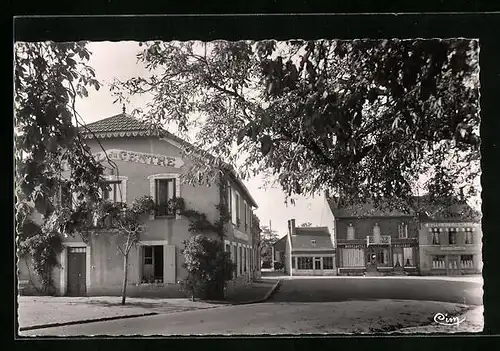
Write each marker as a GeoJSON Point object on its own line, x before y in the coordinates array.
{"type": "Point", "coordinates": [340, 305]}
{"type": "Point", "coordinates": [363, 288]}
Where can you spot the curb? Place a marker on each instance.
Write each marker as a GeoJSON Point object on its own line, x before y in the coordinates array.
{"type": "Point", "coordinates": [265, 298]}
{"type": "Point", "coordinates": [50, 325]}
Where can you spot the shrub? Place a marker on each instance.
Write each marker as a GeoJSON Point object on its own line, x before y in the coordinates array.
{"type": "Point", "coordinates": [266, 264]}
{"type": "Point", "coordinates": [208, 266]}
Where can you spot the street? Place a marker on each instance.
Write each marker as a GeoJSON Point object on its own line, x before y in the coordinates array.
{"type": "Point", "coordinates": [366, 288]}
{"type": "Point", "coordinates": [339, 305]}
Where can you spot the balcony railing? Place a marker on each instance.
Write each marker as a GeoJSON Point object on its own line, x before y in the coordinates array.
{"type": "Point", "coordinates": [384, 240]}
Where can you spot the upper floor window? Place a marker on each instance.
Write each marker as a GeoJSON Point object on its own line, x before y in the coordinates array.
{"type": "Point", "coordinates": [245, 214]}
{"type": "Point", "coordinates": [350, 232]}
{"type": "Point", "coordinates": [313, 242]}
{"type": "Point", "coordinates": [164, 188]}
{"type": "Point", "coordinates": [452, 236]}
{"type": "Point", "coordinates": [468, 236]}
{"type": "Point", "coordinates": [237, 208]}
{"type": "Point", "coordinates": [114, 189]}
{"type": "Point", "coordinates": [435, 237]}
{"type": "Point", "coordinates": [164, 193]}
{"type": "Point", "coordinates": [403, 230]}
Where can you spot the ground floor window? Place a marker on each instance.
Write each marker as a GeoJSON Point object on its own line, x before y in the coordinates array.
{"type": "Point", "coordinates": [245, 260]}
{"type": "Point", "coordinates": [466, 261]}
{"type": "Point", "coordinates": [305, 262]}
{"type": "Point", "coordinates": [152, 264]}
{"type": "Point", "coordinates": [228, 248]}
{"type": "Point", "coordinates": [352, 257]}
{"type": "Point", "coordinates": [240, 254]}
{"type": "Point", "coordinates": [438, 262]}
{"type": "Point", "coordinates": [293, 262]}
{"type": "Point", "coordinates": [397, 258]}
{"type": "Point", "coordinates": [382, 256]}
{"type": "Point", "coordinates": [408, 256]}
{"type": "Point", "coordinates": [327, 262]}
{"type": "Point", "coordinates": [317, 263]}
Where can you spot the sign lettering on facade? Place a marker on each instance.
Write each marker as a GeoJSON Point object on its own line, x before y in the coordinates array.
{"type": "Point", "coordinates": [353, 246]}
{"type": "Point", "coordinates": [448, 225]}
{"type": "Point", "coordinates": [140, 157]}
{"type": "Point", "coordinates": [452, 248]}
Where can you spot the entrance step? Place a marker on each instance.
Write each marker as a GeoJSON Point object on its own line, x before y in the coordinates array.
{"type": "Point", "coordinates": [373, 273]}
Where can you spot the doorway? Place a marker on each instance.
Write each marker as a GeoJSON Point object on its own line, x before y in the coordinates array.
{"type": "Point", "coordinates": [77, 262]}
{"type": "Point", "coordinates": [453, 265]}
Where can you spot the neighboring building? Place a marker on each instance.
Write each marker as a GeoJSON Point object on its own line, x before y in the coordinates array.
{"type": "Point", "coordinates": [151, 164]}
{"type": "Point", "coordinates": [374, 242]}
{"type": "Point", "coordinates": [450, 245]}
{"type": "Point", "coordinates": [279, 250]}
{"type": "Point", "coordinates": [309, 251]}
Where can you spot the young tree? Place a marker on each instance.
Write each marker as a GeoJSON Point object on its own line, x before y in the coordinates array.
{"type": "Point", "coordinates": [125, 221]}
{"type": "Point", "coordinates": [364, 118]}
{"type": "Point", "coordinates": [48, 79]}
{"type": "Point", "coordinates": [306, 225]}
{"type": "Point", "coordinates": [267, 238]}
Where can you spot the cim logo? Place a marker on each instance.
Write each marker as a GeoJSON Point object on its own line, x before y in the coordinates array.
{"type": "Point", "coordinates": [443, 319]}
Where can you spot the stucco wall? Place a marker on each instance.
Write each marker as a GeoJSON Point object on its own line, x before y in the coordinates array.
{"type": "Point", "coordinates": [200, 198]}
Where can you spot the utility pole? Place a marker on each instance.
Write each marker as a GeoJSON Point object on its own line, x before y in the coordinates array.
{"type": "Point", "coordinates": [272, 248]}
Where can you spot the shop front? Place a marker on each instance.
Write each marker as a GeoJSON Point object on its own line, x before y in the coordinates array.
{"type": "Point", "coordinates": [450, 248]}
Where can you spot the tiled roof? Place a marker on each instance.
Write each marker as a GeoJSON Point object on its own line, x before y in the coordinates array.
{"type": "Point", "coordinates": [419, 205]}
{"type": "Point", "coordinates": [302, 240]}
{"type": "Point", "coordinates": [117, 123]}
{"type": "Point", "coordinates": [124, 125]}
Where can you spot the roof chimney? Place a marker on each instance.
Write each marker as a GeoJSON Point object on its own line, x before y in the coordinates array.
{"type": "Point", "coordinates": [292, 226]}
{"type": "Point", "coordinates": [123, 109]}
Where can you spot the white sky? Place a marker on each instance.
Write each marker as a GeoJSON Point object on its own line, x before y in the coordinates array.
{"type": "Point", "coordinates": [118, 60]}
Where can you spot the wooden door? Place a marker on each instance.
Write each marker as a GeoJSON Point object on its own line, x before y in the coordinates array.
{"type": "Point", "coordinates": [77, 283]}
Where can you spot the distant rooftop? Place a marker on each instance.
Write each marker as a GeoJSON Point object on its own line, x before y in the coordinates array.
{"type": "Point", "coordinates": [316, 238]}
{"type": "Point", "coordinates": [419, 205]}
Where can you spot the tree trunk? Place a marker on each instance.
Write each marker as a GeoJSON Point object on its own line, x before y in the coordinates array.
{"type": "Point", "coordinates": [125, 277]}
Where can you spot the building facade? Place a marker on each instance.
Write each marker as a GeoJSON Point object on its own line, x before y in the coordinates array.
{"type": "Point", "coordinates": [151, 164]}
{"type": "Point", "coordinates": [309, 251]}
{"type": "Point", "coordinates": [370, 241]}
{"type": "Point", "coordinates": [450, 247]}
{"type": "Point", "coordinates": [431, 239]}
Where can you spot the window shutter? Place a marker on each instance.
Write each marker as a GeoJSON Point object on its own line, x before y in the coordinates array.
{"type": "Point", "coordinates": [140, 261]}
{"type": "Point", "coordinates": [169, 266]}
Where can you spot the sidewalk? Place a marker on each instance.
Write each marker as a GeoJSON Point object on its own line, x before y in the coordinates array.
{"type": "Point", "coordinates": [41, 311]}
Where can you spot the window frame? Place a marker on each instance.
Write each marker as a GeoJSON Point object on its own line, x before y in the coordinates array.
{"type": "Point", "coordinates": [326, 260]}
{"type": "Point", "coordinates": [403, 230]}
{"type": "Point", "coordinates": [452, 233]}
{"type": "Point", "coordinates": [305, 261]}
{"type": "Point", "coordinates": [113, 179]}
{"type": "Point", "coordinates": [436, 240]}
{"type": "Point", "coordinates": [152, 247]}
{"type": "Point", "coordinates": [152, 189]}
{"type": "Point", "coordinates": [158, 183]}
{"type": "Point", "coordinates": [468, 235]}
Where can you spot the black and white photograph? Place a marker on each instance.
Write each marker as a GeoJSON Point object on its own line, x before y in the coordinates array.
{"type": "Point", "coordinates": [323, 186]}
